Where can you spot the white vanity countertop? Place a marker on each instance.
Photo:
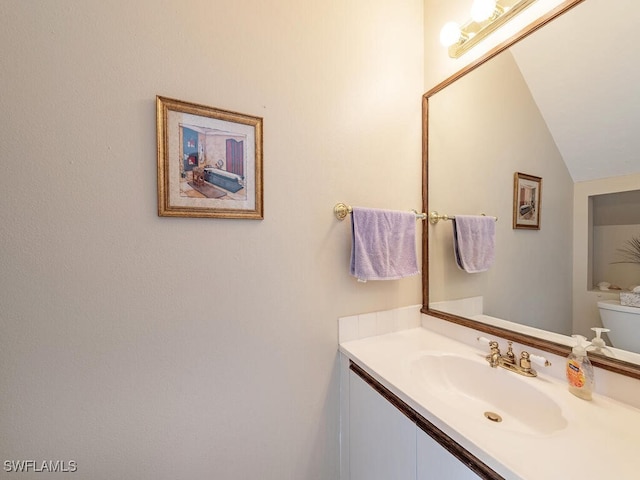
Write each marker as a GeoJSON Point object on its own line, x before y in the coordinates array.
{"type": "Point", "coordinates": [600, 440]}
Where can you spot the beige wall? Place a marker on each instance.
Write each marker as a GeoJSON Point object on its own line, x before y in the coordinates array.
{"type": "Point", "coordinates": [148, 348]}
{"type": "Point", "coordinates": [483, 129]}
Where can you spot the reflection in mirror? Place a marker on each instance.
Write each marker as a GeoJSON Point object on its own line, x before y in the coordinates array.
{"type": "Point", "coordinates": [503, 131]}
{"type": "Point", "coordinates": [546, 108]}
{"type": "Point", "coordinates": [616, 241]}
{"type": "Point", "coordinates": [615, 264]}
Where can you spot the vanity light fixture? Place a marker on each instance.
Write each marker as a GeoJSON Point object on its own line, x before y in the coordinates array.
{"type": "Point", "coordinates": [486, 17]}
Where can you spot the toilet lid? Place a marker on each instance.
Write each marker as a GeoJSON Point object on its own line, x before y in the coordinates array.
{"type": "Point", "coordinates": [615, 305]}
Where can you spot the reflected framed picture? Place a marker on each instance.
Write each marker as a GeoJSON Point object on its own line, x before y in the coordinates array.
{"type": "Point", "coordinates": [209, 161]}
{"type": "Point", "coordinates": [527, 196]}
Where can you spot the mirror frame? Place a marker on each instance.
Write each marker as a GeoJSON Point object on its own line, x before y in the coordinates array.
{"type": "Point", "coordinates": [618, 366]}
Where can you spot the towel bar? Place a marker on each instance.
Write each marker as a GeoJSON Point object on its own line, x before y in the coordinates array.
{"type": "Point", "coordinates": [341, 210]}
{"type": "Point", "coordinates": [435, 217]}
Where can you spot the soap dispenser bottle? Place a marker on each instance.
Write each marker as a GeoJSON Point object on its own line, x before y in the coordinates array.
{"type": "Point", "coordinates": [598, 344]}
{"type": "Point", "coordinates": [580, 370]}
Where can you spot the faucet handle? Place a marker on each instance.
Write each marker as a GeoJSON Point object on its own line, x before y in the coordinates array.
{"type": "Point", "coordinates": [494, 356]}
{"type": "Point", "coordinates": [539, 360]}
{"type": "Point", "coordinates": [492, 343]}
{"type": "Point", "coordinates": [525, 363]}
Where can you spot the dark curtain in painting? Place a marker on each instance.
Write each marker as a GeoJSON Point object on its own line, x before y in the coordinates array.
{"type": "Point", "coordinates": [235, 157]}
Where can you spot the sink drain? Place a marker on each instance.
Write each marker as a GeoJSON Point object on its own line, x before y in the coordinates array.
{"type": "Point", "coordinates": [494, 417]}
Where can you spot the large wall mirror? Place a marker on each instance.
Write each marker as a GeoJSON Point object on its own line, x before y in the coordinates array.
{"type": "Point", "coordinates": [559, 101]}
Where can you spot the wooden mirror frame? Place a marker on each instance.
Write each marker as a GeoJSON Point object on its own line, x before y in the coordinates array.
{"type": "Point", "coordinates": [611, 364]}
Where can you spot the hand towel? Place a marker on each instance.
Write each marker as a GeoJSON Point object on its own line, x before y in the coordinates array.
{"type": "Point", "coordinates": [474, 240]}
{"type": "Point", "coordinates": [384, 244]}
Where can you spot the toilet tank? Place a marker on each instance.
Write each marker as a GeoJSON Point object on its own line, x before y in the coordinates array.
{"type": "Point", "coordinates": [623, 323]}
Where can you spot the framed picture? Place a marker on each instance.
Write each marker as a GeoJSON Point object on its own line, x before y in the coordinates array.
{"type": "Point", "coordinates": [527, 196]}
{"type": "Point", "coordinates": [209, 161]}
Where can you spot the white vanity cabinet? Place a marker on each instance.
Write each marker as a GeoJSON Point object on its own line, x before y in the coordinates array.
{"type": "Point", "coordinates": [382, 443]}
{"type": "Point", "coordinates": [434, 462]}
{"type": "Point", "coordinates": [387, 440]}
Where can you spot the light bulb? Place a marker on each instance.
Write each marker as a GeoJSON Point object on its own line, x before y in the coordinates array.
{"type": "Point", "coordinates": [449, 34]}
{"type": "Point", "coordinates": [482, 9]}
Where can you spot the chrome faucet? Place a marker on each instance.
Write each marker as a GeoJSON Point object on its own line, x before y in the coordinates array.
{"type": "Point", "coordinates": [508, 360]}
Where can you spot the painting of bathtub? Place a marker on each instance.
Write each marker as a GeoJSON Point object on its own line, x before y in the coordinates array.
{"type": "Point", "coordinates": [209, 161]}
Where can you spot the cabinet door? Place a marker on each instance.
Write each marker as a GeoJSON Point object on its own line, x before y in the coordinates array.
{"type": "Point", "coordinates": [382, 439]}
{"type": "Point", "coordinates": [434, 462]}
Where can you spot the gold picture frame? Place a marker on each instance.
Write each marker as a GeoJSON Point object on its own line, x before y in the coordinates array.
{"type": "Point", "coordinates": [209, 161]}
{"type": "Point", "coordinates": [527, 197]}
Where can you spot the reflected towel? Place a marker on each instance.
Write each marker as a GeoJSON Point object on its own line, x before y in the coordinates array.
{"type": "Point", "coordinates": [474, 239]}
{"type": "Point", "coordinates": [384, 244]}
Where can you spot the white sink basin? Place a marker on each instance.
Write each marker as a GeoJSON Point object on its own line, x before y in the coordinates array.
{"type": "Point", "coordinates": [472, 387]}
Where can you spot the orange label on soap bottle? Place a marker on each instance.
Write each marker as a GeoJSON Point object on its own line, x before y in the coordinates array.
{"type": "Point", "coordinates": [574, 374]}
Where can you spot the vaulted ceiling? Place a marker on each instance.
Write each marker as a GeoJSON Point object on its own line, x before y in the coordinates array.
{"type": "Point", "coordinates": [583, 70]}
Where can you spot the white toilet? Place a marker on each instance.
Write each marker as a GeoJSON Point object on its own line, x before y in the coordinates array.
{"type": "Point", "coordinates": [624, 323]}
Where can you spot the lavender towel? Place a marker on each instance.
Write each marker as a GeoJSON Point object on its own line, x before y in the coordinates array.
{"type": "Point", "coordinates": [384, 244]}
{"type": "Point", "coordinates": [474, 239]}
